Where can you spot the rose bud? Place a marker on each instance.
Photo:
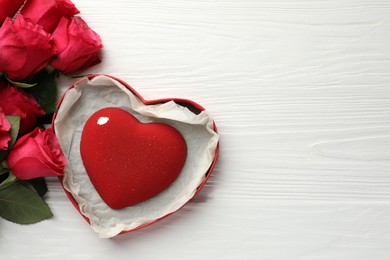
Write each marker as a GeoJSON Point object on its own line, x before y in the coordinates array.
{"type": "Point", "coordinates": [77, 46]}
{"type": "Point", "coordinates": [37, 154]}
{"type": "Point", "coordinates": [48, 12]}
{"type": "Point", "coordinates": [5, 126]}
{"type": "Point", "coordinates": [25, 48]}
{"type": "Point", "coordinates": [9, 8]}
{"type": "Point", "coordinates": [16, 102]}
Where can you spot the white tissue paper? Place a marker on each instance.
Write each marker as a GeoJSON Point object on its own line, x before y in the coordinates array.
{"type": "Point", "coordinates": [88, 96]}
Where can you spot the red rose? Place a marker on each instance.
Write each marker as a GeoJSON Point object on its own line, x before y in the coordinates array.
{"type": "Point", "coordinates": [18, 103]}
{"type": "Point", "coordinates": [5, 126]}
{"type": "Point", "coordinates": [48, 12]}
{"type": "Point", "coordinates": [9, 8]}
{"type": "Point", "coordinates": [37, 154]}
{"type": "Point", "coordinates": [24, 48]}
{"type": "Point", "coordinates": [76, 45]}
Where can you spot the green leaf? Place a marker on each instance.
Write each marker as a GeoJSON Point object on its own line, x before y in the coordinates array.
{"type": "Point", "coordinates": [8, 180]}
{"type": "Point", "coordinates": [39, 185]}
{"type": "Point", "coordinates": [78, 76]}
{"type": "Point", "coordinates": [51, 70]}
{"type": "Point", "coordinates": [21, 205]}
{"type": "Point", "coordinates": [4, 174]}
{"type": "Point", "coordinates": [3, 167]}
{"type": "Point", "coordinates": [3, 171]}
{"type": "Point", "coordinates": [21, 84]}
{"type": "Point", "coordinates": [45, 92]}
{"type": "Point", "coordinates": [15, 125]}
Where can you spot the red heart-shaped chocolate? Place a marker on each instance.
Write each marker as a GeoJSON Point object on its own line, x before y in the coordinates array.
{"type": "Point", "coordinates": [128, 161]}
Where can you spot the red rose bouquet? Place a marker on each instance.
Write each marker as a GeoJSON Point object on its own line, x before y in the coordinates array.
{"type": "Point", "coordinates": [38, 40]}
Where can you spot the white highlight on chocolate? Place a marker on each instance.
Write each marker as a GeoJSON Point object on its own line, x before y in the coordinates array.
{"type": "Point", "coordinates": [103, 120]}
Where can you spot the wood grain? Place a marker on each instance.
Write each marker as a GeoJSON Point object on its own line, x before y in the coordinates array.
{"type": "Point", "coordinates": [300, 93]}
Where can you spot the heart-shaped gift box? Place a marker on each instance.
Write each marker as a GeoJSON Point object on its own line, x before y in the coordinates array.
{"type": "Point", "coordinates": [130, 161]}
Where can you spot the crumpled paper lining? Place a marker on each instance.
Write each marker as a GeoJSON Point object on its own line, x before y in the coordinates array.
{"type": "Point", "coordinates": [88, 96]}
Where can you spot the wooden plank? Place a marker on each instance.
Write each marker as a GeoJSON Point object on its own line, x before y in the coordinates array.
{"type": "Point", "coordinates": [300, 91]}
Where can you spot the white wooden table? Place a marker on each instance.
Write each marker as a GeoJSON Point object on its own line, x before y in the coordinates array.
{"type": "Point", "coordinates": [300, 91]}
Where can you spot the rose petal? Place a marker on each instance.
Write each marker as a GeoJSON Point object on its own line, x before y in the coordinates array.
{"type": "Point", "coordinates": [32, 157]}
{"type": "Point", "coordinates": [48, 13]}
{"type": "Point", "coordinates": [5, 126]}
{"type": "Point", "coordinates": [18, 103]}
{"type": "Point", "coordinates": [78, 48]}
{"type": "Point", "coordinates": [30, 168]}
{"type": "Point", "coordinates": [9, 8]}
{"type": "Point", "coordinates": [24, 48]}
